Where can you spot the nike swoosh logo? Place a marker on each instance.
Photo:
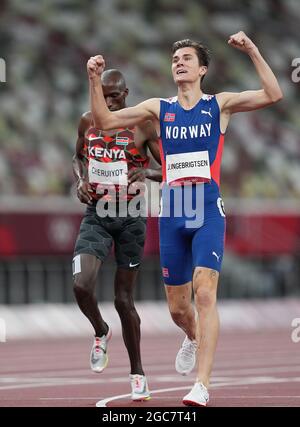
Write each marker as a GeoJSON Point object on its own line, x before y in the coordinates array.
{"type": "Point", "coordinates": [96, 137]}
{"type": "Point", "coordinates": [134, 265]}
{"type": "Point", "coordinates": [96, 360]}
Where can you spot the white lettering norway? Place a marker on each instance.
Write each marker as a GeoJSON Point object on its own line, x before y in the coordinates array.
{"type": "Point", "coordinates": [183, 132]}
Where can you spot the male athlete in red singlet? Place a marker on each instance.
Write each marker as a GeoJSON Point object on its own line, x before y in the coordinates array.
{"type": "Point", "coordinates": [106, 160]}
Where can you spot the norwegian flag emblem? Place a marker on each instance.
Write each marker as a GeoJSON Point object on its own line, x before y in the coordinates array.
{"type": "Point", "coordinates": [165, 272]}
{"type": "Point", "coordinates": [122, 140]}
{"type": "Point", "coordinates": [169, 117]}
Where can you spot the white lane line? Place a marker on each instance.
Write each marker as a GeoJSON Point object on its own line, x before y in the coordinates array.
{"type": "Point", "coordinates": [47, 383]}
{"type": "Point", "coordinates": [249, 381]}
{"type": "Point", "coordinates": [68, 398]}
{"type": "Point", "coordinates": [242, 362]}
{"type": "Point", "coordinates": [11, 382]}
{"type": "Point", "coordinates": [57, 382]}
{"type": "Point", "coordinates": [258, 396]}
{"type": "Point", "coordinates": [102, 403]}
{"type": "Point", "coordinates": [151, 370]}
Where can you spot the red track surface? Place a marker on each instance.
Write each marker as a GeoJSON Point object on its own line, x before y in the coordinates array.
{"type": "Point", "coordinates": [251, 369]}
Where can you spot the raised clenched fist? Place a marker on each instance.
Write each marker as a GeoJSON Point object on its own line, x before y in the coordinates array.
{"type": "Point", "coordinates": [95, 66]}
{"type": "Point", "coordinates": [241, 41]}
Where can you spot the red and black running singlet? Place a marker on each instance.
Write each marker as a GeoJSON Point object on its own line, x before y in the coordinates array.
{"type": "Point", "coordinates": [110, 156]}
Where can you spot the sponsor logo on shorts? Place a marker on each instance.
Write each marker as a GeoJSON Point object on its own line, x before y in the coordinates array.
{"type": "Point", "coordinates": [217, 256]}
{"type": "Point", "coordinates": [169, 117]}
{"type": "Point", "coordinates": [133, 265]}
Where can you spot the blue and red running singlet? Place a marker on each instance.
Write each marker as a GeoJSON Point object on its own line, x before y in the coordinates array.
{"type": "Point", "coordinates": [192, 218]}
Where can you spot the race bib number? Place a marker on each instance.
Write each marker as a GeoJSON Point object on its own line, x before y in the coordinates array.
{"type": "Point", "coordinates": [108, 173]}
{"type": "Point", "coordinates": [187, 167]}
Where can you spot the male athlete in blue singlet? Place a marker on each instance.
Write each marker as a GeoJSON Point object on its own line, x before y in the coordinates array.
{"type": "Point", "coordinates": [192, 127]}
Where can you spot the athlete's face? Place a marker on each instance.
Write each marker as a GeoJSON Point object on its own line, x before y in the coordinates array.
{"type": "Point", "coordinates": [185, 66]}
{"type": "Point", "coordinates": [114, 96]}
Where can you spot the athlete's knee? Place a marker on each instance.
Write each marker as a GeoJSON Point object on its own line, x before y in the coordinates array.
{"type": "Point", "coordinates": [178, 311]}
{"type": "Point", "coordinates": [124, 305]}
{"type": "Point", "coordinates": [83, 286]}
{"type": "Point", "coordinates": [124, 302]}
{"type": "Point", "coordinates": [205, 282]}
{"type": "Point", "coordinates": [205, 297]}
{"type": "Point", "coordinates": [179, 307]}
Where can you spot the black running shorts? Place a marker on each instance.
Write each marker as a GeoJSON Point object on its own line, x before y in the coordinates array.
{"type": "Point", "coordinates": [97, 235]}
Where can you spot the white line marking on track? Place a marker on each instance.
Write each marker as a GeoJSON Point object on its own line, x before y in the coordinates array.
{"type": "Point", "coordinates": [11, 382]}
{"type": "Point", "coordinates": [67, 375]}
{"type": "Point", "coordinates": [258, 396]}
{"type": "Point", "coordinates": [102, 403]}
{"type": "Point", "coordinates": [237, 382]}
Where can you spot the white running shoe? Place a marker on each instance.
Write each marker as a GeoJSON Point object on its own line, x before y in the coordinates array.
{"type": "Point", "coordinates": [139, 387]}
{"type": "Point", "coordinates": [186, 357]}
{"type": "Point", "coordinates": [99, 357]}
{"type": "Point", "coordinates": [198, 396]}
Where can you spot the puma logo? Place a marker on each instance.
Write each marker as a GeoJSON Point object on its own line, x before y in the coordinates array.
{"type": "Point", "coordinates": [207, 112]}
{"type": "Point", "coordinates": [217, 256]}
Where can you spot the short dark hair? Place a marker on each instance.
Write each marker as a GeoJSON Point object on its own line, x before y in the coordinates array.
{"type": "Point", "coordinates": [201, 50]}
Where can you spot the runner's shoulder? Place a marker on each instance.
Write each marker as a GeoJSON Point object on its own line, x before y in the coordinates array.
{"type": "Point", "coordinates": [85, 122]}
{"type": "Point", "coordinates": [222, 97]}
{"type": "Point", "coordinates": [86, 117]}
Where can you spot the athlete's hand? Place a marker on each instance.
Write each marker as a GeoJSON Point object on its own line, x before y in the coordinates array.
{"type": "Point", "coordinates": [137, 174]}
{"type": "Point", "coordinates": [95, 66]}
{"type": "Point", "coordinates": [242, 42]}
{"type": "Point", "coordinates": [84, 191]}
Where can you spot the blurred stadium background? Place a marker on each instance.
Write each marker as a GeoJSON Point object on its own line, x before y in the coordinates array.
{"type": "Point", "coordinates": [46, 44]}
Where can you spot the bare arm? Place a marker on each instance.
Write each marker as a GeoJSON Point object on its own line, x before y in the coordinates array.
{"type": "Point", "coordinates": [79, 161]}
{"type": "Point", "coordinates": [146, 136]}
{"type": "Point", "coordinates": [251, 99]}
{"type": "Point", "coordinates": [127, 117]}
{"type": "Point", "coordinates": [154, 174]}
{"type": "Point", "coordinates": [151, 140]}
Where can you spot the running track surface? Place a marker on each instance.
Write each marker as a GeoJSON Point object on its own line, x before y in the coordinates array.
{"type": "Point", "coordinates": [251, 369]}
